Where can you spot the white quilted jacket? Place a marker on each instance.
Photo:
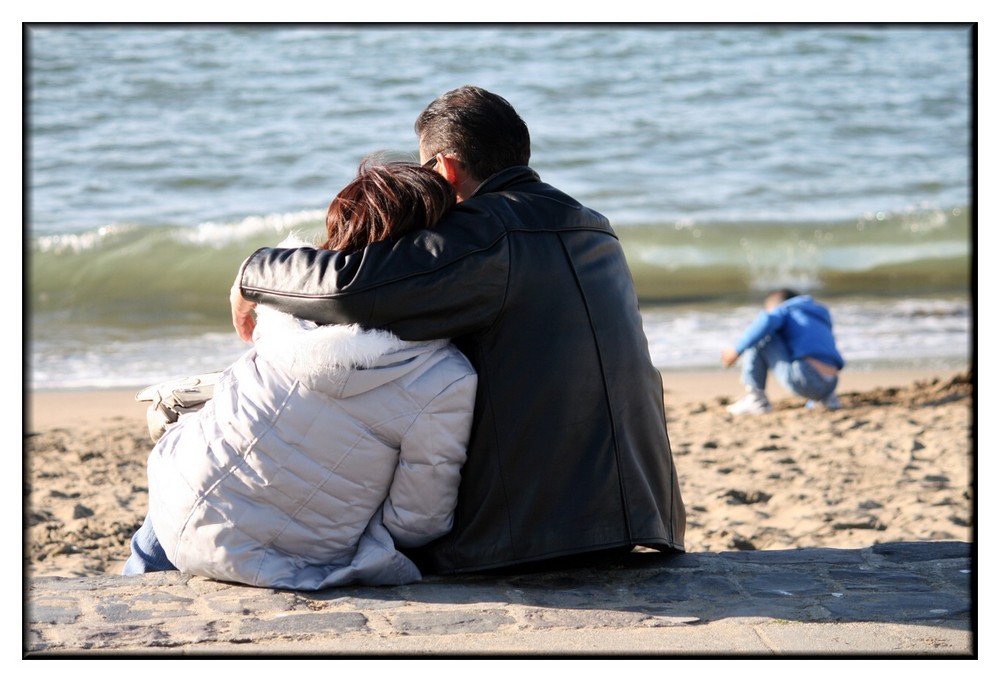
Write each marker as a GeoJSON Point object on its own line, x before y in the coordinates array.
{"type": "Point", "coordinates": [322, 450]}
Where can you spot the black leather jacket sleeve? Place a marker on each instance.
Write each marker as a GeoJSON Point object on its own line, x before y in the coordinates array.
{"type": "Point", "coordinates": [439, 283]}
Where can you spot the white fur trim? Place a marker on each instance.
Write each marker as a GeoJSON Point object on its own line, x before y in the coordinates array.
{"type": "Point", "coordinates": [293, 241]}
{"type": "Point", "coordinates": [302, 346]}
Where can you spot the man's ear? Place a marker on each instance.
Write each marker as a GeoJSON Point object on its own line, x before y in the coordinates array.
{"type": "Point", "coordinates": [452, 171]}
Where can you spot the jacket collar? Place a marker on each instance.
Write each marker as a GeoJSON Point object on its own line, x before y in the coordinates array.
{"type": "Point", "coordinates": [506, 178]}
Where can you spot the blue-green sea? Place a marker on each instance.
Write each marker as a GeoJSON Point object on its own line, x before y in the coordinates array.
{"type": "Point", "coordinates": [835, 159]}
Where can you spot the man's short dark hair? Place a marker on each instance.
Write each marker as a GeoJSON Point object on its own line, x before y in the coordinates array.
{"type": "Point", "coordinates": [478, 127]}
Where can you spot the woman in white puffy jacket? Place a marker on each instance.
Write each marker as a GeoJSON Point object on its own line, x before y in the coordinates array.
{"type": "Point", "coordinates": [323, 448]}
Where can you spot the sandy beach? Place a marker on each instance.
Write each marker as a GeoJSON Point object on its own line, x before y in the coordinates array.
{"type": "Point", "coordinates": [895, 464]}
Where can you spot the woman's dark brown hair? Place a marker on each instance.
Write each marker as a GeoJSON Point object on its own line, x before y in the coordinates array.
{"type": "Point", "coordinates": [385, 201]}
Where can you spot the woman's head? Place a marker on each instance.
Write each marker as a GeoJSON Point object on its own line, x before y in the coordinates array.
{"type": "Point", "coordinates": [385, 201]}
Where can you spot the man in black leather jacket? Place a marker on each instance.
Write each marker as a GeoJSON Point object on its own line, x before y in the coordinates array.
{"type": "Point", "coordinates": [569, 452]}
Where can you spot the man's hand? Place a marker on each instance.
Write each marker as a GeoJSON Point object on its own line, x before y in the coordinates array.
{"type": "Point", "coordinates": [243, 319]}
{"type": "Point", "coordinates": [729, 357]}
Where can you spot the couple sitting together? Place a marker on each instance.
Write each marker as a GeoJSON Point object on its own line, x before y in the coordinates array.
{"type": "Point", "coordinates": [456, 380]}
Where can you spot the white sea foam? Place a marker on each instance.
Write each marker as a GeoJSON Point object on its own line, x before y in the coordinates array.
{"type": "Point", "coordinates": [218, 234]}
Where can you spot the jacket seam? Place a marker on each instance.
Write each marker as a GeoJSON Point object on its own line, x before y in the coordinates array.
{"type": "Point", "coordinates": [604, 379]}
{"type": "Point", "coordinates": [501, 477]}
{"type": "Point", "coordinates": [415, 417]}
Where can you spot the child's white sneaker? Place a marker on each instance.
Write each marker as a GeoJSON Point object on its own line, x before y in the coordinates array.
{"type": "Point", "coordinates": [754, 402]}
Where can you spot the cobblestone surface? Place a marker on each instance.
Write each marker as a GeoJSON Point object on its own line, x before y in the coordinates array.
{"type": "Point", "coordinates": [901, 599]}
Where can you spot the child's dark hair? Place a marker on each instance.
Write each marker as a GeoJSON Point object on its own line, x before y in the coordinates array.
{"type": "Point", "coordinates": [385, 201]}
{"type": "Point", "coordinates": [779, 296]}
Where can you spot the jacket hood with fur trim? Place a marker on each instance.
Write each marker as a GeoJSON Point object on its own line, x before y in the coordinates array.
{"type": "Point", "coordinates": [339, 360]}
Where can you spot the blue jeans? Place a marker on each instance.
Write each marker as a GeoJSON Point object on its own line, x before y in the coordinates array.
{"type": "Point", "coordinates": [798, 376]}
{"type": "Point", "coordinates": [147, 553]}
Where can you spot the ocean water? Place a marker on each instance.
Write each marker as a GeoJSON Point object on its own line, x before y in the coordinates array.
{"type": "Point", "coordinates": [833, 159]}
